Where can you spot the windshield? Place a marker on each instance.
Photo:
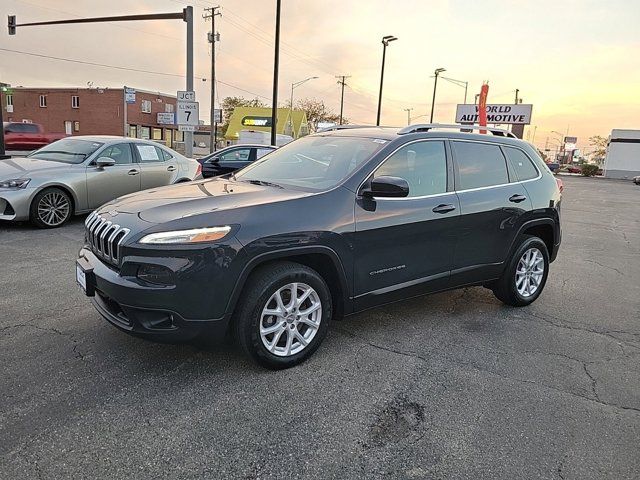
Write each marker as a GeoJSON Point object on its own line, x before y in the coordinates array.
{"type": "Point", "coordinates": [67, 150]}
{"type": "Point", "coordinates": [313, 163]}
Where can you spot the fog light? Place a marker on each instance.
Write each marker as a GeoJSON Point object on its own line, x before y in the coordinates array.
{"type": "Point", "coordinates": [155, 274]}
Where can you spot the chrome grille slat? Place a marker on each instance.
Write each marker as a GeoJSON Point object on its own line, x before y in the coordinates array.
{"type": "Point", "coordinates": [104, 237]}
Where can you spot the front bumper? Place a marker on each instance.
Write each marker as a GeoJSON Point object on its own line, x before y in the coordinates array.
{"type": "Point", "coordinates": [15, 203]}
{"type": "Point", "coordinates": [152, 311]}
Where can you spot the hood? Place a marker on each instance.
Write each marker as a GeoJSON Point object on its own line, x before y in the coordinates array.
{"type": "Point", "coordinates": [23, 167]}
{"type": "Point", "coordinates": [161, 205]}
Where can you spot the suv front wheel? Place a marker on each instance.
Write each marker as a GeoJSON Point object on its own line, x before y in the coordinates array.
{"type": "Point", "coordinates": [526, 273]}
{"type": "Point", "coordinates": [284, 314]}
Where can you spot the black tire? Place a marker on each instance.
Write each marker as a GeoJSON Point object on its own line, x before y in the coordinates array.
{"type": "Point", "coordinates": [505, 287]}
{"type": "Point", "coordinates": [35, 211]}
{"type": "Point", "coordinates": [262, 284]}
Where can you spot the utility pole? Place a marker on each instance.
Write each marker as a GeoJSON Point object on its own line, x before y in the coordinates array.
{"type": "Point", "coordinates": [213, 38]}
{"type": "Point", "coordinates": [276, 64]}
{"type": "Point", "coordinates": [341, 82]}
{"type": "Point", "coordinates": [517, 92]}
{"type": "Point", "coordinates": [408, 110]}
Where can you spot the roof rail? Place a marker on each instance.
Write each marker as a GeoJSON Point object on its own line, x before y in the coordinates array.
{"type": "Point", "coordinates": [425, 127]}
{"type": "Point", "coordinates": [342, 127]}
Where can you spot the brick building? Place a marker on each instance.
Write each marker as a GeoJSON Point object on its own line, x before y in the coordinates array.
{"type": "Point", "coordinates": [94, 111]}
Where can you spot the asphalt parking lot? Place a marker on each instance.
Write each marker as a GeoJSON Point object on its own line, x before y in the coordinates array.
{"type": "Point", "coordinates": [454, 385]}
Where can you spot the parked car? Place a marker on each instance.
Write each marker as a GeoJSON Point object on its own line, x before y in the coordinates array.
{"type": "Point", "coordinates": [636, 180]}
{"type": "Point", "coordinates": [554, 167]}
{"type": "Point", "coordinates": [328, 225]}
{"type": "Point", "coordinates": [78, 174]}
{"type": "Point", "coordinates": [27, 136]}
{"type": "Point", "coordinates": [574, 169]}
{"type": "Point", "coordinates": [232, 158]}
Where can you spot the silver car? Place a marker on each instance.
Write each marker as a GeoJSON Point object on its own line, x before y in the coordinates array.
{"type": "Point", "coordinates": [78, 174]}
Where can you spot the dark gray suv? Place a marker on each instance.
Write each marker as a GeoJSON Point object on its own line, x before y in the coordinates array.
{"type": "Point", "coordinates": [326, 226]}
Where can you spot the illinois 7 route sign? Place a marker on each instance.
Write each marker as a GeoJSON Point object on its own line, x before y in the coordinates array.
{"type": "Point", "coordinates": [187, 113]}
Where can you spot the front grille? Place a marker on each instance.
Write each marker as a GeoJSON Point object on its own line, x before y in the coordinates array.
{"type": "Point", "coordinates": [104, 237]}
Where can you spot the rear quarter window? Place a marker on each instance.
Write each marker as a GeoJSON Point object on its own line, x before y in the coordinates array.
{"type": "Point", "coordinates": [479, 165]}
{"type": "Point", "coordinates": [521, 167]}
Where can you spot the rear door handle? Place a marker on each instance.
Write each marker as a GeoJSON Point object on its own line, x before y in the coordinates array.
{"type": "Point", "coordinates": [133, 172]}
{"type": "Point", "coordinates": [171, 168]}
{"type": "Point", "coordinates": [517, 198]}
{"type": "Point", "coordinates": [444, 208]}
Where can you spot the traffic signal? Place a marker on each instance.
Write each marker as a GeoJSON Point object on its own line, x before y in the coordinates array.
{"type": "Point", "coordinates": [12, 24]}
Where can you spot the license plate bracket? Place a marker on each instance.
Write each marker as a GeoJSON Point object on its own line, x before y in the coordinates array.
{"type": "Point", "coordinates": [85, 277]}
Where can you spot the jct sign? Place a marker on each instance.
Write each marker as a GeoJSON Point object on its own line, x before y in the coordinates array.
{"type": "Point", "coordinates": [510, 114]}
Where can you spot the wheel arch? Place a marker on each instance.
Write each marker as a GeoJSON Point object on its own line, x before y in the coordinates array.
{"type": "Point", "coordinates": [60, 186]}
{"type": "Point", "coordinates": [543, 228]}
{"type": "Point", "coordinates": [322, 259]}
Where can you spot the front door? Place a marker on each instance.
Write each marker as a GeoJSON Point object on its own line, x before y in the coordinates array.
{"type": "Point", "coordinates": [235, 160]}
{"type": "Point", "coordinates": [105, 184]}
{"type": "Point", "coordinates": [491, 205]}
{"type": "Point", "coordinates": [404, 246]}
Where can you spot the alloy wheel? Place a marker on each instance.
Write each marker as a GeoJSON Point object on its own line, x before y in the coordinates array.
{"type": "Point", "coordinates": [53, 209]}
{"type": "Point", "coordinates": [290, 319]}
{"type": "Point", "coordinates": [529, 272]}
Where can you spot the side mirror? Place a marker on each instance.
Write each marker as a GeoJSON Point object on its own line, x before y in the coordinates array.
{"type": "Point", "coordinates": [105, 162]}
{"type": "Point", "coordinates": [385, 186]}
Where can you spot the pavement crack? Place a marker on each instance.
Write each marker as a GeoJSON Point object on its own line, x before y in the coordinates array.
{"type": "Point", "coordinates": [594, 385]}
{"type": "Point", "coordinates": [605, 266]}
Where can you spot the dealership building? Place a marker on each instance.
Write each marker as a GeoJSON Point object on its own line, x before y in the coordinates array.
{"type": "Point", "coordinates": [95, 111]}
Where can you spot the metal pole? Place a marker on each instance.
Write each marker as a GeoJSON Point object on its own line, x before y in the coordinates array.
{"type": "Point", "coordinates": [517, 91]}
{"type": "Point", "coordinates": [342, 83]}
{"type": "Point", "coordinates": [3, 154]}
{"type": "Point", "coordinates": [291, 110]}
{"type": "Point", "coordinates": [276, 63]}
{"type": "Point", "coordinates": [124, 111]}
{"type": "Point", "coordinates": [188, 17]}
{"type": "Point", "coordinates": [384, 51]}
{"type": "Point", "coordinates": [433, 100]}
{"type": "Point", "coordinates": [466, 86]}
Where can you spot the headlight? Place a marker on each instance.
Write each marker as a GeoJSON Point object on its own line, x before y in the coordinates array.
{"type": "Point", "coordinates": [196, 235]}
{"type": "Point", "coordinates": [15, 183]}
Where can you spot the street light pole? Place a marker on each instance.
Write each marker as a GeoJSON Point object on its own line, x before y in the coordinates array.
{"type": "Point", "coordinates": [437, 72]}
{"type": "Point", "coordinates": [385, 42]}
{"type": "Point", "coordinates": [459, 83]}
{"type": "Point", "coordinates": [294, 85]}
{"type": "Point", "coordinates": [408, 110]}
{"type": "Point", "coordinates": [276, 64]}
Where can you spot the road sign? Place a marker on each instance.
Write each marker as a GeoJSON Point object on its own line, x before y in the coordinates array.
{"type": "Point", "coordinates": [186, 96]}
{"type": "Point", "coordinates": [188, 113]}
{"type": "Point", "coordinates": [570, 139]}
{"type": "Point", "coordinates": [186, 128]}
{"type": "Point", "coordinates": [497, 113]}
{"type": "Point", "coordinates": [130, 95]}
{"type": "Point", "coordinates": [217, 115]}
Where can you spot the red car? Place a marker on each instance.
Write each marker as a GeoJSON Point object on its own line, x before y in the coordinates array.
{"type": "Point", "coordinates": [574, 169]}
{"type": "Point", "coordinates": [27, 136]}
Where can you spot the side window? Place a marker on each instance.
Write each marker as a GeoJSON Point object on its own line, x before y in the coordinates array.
{"type": "Point", "coordinates": [238, 155]}
{"type": "Point", "coordinates": [422, 164]}
{"type": "Point", "coordinates": [479, 165]}
{"type": "Point", "coordinates": [521, 167]}
{"type": "Point", "coordinates": [165, 155]}
{"type": "Point", "coordinates": [121, 153]}
{"type": "Point", "coordinates": [149, 153]}
{"type": "Point", "coordinates": [261, 152]}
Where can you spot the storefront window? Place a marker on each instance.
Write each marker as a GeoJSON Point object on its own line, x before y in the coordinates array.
{"type": "Point", "coordinates": [177, 136]}
{"type": "Point", "coordinates": [157, 133]}
{"type": "Point", "coordinates": [133, 132]}
{"type": "Point", "coordinates": [145, 133]}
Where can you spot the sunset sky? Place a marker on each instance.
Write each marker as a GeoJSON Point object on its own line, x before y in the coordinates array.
{"type": "Point", "coordinates": [576, 61]}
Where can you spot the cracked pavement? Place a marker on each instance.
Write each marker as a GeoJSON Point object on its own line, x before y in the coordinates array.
{"type": "Point", "coordinates": [454, 385]}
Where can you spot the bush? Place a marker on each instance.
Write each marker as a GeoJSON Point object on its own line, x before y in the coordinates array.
{"type": "Point", "coordinates": [589, 170]}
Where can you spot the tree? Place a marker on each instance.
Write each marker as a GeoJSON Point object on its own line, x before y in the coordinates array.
{"type": "Point", "coordinates": [600, 148]}
{"type": "Point", "coordinates": [230, 103]}
{"type": "Point", "coordinates": [317, 112]}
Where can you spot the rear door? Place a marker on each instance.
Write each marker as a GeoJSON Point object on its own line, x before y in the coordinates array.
{"type": "Point", "coordinates": [492, 206]}
{"type": "Point", "coordinates": [235, 160]}
{"type": "Point", "coordinates": [404, 246]}
{"type": "Point", "coordinates": [157, 169]}
{"type": "Point", "coordinates": [111, 182]}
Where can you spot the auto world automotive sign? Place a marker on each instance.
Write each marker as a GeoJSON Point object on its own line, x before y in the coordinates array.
{"type": "Point", "coordinates": [505, 113]}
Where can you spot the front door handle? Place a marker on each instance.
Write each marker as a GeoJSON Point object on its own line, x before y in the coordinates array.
{"type": "Point", "coordinates": [133, 172]}
{"type": "Point", "coordinates": [444, 208]}
{"type": "Point", "coordinates": [171, 168]}
{"type": "Point", "coordinates": [517, 198]}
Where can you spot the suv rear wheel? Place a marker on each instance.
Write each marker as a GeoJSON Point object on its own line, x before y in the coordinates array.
{"type": "Point", "coordinates": [284, 314]}
{"type": "Point", "coordinates": [526, 274]}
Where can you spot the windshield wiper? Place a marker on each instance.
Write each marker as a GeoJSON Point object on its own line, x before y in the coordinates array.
{"type": "Point", "coordinates": [262, 182]}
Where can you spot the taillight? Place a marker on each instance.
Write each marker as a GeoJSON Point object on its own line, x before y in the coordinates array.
{"type": "Point", "coordinates": [560, 184]}
{"type": "Point", "coordinates": [199, 170]}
